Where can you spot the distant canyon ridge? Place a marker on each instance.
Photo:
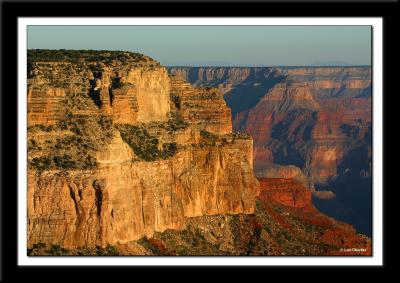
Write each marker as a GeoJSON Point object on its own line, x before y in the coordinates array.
{"type": "Point", "coordinates": [318, 119]}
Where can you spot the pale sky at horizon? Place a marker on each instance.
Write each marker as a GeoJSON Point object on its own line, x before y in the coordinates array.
{"type": "Point", "coordinates": [218, 45]}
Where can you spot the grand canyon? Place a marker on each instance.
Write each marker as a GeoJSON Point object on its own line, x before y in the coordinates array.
{"type": "Point", "coordinates": [128, 157]}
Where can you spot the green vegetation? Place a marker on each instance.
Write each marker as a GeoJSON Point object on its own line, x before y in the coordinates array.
{"type": "Point", "coordinates": [176, 100]}
{"type": "Point", "coordinates": [208, 138]}
{"type": "Point", "coordinates": [210, 93]}
{"type": "Point", "coordinates": [64, 75]}
{"type": "Point", "coordinates": [174, 124]}
{"type": "Point", "coordinates": [188, 242]}
{"type": "Point", "coordinates": [283, 235]}
{"type": "Point", "coordinates": [144, 145]}
{"type": "Point", "coordinates": [33, 145]}
{"type": "Point", "coordinates": [41, 249]}
{"type": "Point", "coordinates": [77, 101]}
{"type": "Point", "coordinates": [192, 106]}
{"type": "Point", "coordinates": [42, 128]}
{"type": "Point", "coordinates": [71, 151]}
{"type": "Point", "coordinates": [151, 245]}
{"type": "Point", "coordinates": [75, 56]}
{"type": "Point", "coordinates": [207, 135]}
{"type": "Point", "coordinates": [241, 136]}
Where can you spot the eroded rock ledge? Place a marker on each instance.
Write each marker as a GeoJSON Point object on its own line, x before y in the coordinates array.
{"type": "Point", "coordinates": [118, 150]}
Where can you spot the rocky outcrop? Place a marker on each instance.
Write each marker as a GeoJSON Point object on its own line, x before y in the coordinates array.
{"type": "Point", "coordinates": [268, 170]}
{"type": "Point", "coordinates": [44, 106]}
{"type": "Point", "coordinates": [136, 96]}
{"type": "Point", "coordinates": [287, 192]}
{"type": "Point", "coordinates": [203, 106]}
{"type": "Point", "coordinates": [145, 154]}
{"type": "Point", "coordinates": [152, 93]}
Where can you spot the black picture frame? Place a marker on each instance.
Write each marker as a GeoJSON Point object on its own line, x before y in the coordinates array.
{"type": "Point", "coordinates": [9, 159]}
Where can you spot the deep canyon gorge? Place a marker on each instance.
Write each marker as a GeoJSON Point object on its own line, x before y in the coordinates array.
{"type": "Point", "coordinates": [127, 157]}
{"type": "Point", "coordinates": [317, 119]}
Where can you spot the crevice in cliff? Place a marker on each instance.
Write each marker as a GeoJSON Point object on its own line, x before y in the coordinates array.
{"type": "Point", "coordinates": [72, 195]}
{"type": "Point", "coordinates": [142, 197]}
{"type": "Point", "coordinates": [111, 95]}
{"type": "Point", "coordinates": [98, 197]}
{"type": "Point", "coordinates": [94, 95]}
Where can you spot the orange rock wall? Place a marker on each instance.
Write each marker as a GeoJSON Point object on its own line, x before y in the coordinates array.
{"type": "Point", "coordinates": [285, 191]}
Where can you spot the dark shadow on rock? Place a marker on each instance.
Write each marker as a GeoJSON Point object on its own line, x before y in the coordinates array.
{"type": "Point", "coordinates": [94, 95]}
{"type": "Point", "coordinates": [249, 92]}
{"type": "Point", "coordinates": [353, 189]}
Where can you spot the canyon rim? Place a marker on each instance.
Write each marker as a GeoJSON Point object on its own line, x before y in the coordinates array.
{"type": "Point", "coordinates": [129, 157]}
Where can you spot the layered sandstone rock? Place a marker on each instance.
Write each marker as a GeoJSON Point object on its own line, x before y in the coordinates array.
{"type": "Point", "coordinates": [44, 106]}
{"type": "Point", "coordinates": [186, 162]}
{"type": "Point", "coordinates": [288, 192]}
{"type": "Point", "coordinates": [123, 200]}
{"type": "Point", "coordinates": [268, 170]}
{"type": "Point", "coordinates": [203, 106]}
{"type": "Point", "coordinates": [131, 92]}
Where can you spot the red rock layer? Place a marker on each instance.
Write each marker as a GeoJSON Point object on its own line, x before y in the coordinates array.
{"type": "Point", "coordinates": [285, 191]}
{"type": "Point", "coordinates": [323, 149]}
{"type": "Point", "coordinates": [341, 239]}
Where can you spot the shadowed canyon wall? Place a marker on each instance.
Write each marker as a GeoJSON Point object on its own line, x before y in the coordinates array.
{"type": "Point", "coordinates": [316, 118]}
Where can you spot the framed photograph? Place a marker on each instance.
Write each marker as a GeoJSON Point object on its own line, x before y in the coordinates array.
{"type": "Point", "coordinates": [151, 137]}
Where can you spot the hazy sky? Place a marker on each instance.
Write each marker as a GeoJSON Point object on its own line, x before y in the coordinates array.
{"type": "Point", "coordinates": [218, 45]}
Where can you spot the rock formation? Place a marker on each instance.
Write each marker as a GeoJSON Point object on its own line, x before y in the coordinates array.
{"type": "Point", "coordinates": [285, 191]}
{"type": "Point", "coordinates": [300, 116]}
{"type": "Point", "coordinates": [125, 158]}
{"type": "Point", "coordinates": [273, 229]}
{"type": "Point", "coordinates": [117, 150]}
{"type": "Point", "coordinates": [316, 118]}
{"type": "Point", "coordinates": [268, 170]}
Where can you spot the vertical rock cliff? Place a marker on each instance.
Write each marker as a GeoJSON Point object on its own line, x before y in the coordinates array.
{"type": "Point", "coordinates": [118, 150]}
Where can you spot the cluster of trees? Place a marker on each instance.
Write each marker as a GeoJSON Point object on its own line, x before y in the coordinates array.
{"type": "Point", "coordinates": [41, 249]}
{"type": "Point", "coordinates": [208, 135]}
{"type": "Point", "coordinates": [47, 55]}
{"type": "Point", "coordinates": [241, 136]}
{"type": "Point", "coordinates": [144, 145]}
{"type": "Point", "coordinates": [72, 151]}
{"type": "Point", "coordinates": [79, 161]}
{"type": "Point", "coordinates": [176, 100]}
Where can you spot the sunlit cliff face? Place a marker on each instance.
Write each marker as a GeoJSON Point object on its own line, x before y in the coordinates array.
{"type": "Point", "coordinates": [118, 150]}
